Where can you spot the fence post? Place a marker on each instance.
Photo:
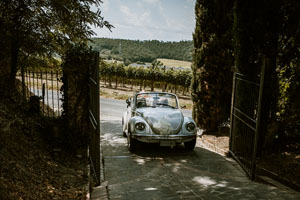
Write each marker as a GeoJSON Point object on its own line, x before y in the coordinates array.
{"type": "Point", "coordinates": [262, 76]}
{"type": "Point", "coordinates": [232, 106]}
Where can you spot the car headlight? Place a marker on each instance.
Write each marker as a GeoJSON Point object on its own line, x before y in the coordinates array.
{"type": "Point", "coordinates": [140, 126]}
{"type": "Point", "coordinates": [190, 126]}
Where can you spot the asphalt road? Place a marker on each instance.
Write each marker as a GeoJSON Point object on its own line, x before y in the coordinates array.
{"type": "Point", "coordinates": [155, 172]}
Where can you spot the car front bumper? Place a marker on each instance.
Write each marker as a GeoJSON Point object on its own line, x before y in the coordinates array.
{"type": "Point", "coordinates": [173, 139]}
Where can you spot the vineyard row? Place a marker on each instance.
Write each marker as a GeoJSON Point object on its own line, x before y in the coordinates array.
{"type": "Point", "coordinates": [152, 76]}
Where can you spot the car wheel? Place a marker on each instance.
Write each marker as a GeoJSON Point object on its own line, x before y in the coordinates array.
{"type": "Point", "coordinates": [131, 143]}
{"type": "Point", "coordinates": [190, 145]}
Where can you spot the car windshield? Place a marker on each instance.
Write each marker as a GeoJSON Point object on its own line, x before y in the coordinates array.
{"type": "Point", "coordinates": [156, 100]}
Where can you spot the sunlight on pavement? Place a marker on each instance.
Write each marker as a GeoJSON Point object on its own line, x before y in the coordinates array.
{"type": "Point", "coordinates": [140, 161]}
{"type": "Point", "coordinates": [204, 180]}
{"type": "Point", "coordinates": [150, 189]}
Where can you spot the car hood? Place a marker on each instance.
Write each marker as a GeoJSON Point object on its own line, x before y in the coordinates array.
{"type": "Point", "coordinates": [163, 121]}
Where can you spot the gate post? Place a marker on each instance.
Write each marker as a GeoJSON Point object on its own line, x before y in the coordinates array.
{"type": "Point", "coordinates": [261, 87]}
{"type": "Point", "coordinates": [94, 116]}
{"type": "Point", "coordinates": [231, 118]}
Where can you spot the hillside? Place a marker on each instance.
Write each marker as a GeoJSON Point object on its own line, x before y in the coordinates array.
{"type": "Point", "coordinates": [131, 51]}
{"type": "Point", "coordinates": [29, 167]}
{"type": "Point", "coordinates": [175, 63]}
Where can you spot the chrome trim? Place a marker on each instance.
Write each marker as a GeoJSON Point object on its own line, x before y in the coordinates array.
{"type": "Point", "coordinates": [157, 138]}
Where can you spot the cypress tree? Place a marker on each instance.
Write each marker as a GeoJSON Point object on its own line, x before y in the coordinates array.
{"type": "Point", "coordinates": [212, 62]}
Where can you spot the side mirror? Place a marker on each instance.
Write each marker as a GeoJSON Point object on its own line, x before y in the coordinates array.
{"type": "Point", "coordinates": [128, 101]}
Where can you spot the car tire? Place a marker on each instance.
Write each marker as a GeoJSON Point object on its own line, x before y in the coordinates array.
{"type": "Point", "coordinates": [131, 143]}
{"type": "Point", "coordinates": [190, 145]}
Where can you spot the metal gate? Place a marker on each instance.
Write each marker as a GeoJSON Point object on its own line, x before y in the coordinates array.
{"type": "Point", "coordinates": [245, 120]}
{"type": "Point", "coordinates": [94, 116]}
{"type": "Point", "coordinates": [45, 86]}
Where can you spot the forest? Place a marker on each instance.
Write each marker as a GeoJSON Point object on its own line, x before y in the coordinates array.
{"type": "Point", "coordinates": [131, 51]}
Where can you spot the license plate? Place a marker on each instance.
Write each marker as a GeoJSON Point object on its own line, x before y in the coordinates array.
{"type": "Point", "coordinates": [167, 143]}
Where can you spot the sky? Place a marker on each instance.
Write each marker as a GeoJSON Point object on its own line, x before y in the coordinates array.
{"type": "Point", "coordinates": [163, 20]}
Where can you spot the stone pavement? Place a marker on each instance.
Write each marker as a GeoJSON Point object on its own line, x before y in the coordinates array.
{"type": "Point", "coordinates": [164, 173]}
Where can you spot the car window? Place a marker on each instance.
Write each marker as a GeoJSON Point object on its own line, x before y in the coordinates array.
{"type": "Point", "coordinates": [156, 100]}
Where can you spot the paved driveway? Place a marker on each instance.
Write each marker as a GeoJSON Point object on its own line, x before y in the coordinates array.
{"type": "Point", "coordinates": [163, 173]}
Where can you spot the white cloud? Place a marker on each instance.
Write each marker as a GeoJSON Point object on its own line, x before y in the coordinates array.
{"type": "Point", "coordinates": [104, 6]}
{"type": "Point", "coordinates": [151, 1]}
{"type": "Point", "coordinates": [134, 18]}
{"type": "Point", "coordinates": [148, 19]}
{"type": "Point", "coordinates": [190, 1]}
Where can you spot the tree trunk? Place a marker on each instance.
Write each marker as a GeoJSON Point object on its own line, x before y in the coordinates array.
{"type": "Point", "coordinates": [116, 86]}
{"type": "Point", "coordinates": [152, 85]}
{"type": "Point", "coordinates": [166, 87]}
{"type": "Point", "coordinates": [141, 84]}
{"type": "Point", "coordinates": [109, 81]}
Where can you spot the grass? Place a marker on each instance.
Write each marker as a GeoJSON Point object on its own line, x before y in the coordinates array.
{"type": "Point", "coordinates": [113, 95]}
{"type": "Point", "coordinates": [175, 63]}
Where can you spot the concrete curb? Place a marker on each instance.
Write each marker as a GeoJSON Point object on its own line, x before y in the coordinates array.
{"type": "Point", "coordinates": [100, 192]}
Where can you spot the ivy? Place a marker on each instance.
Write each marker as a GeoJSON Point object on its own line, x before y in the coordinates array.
{"type": "Point", "coordinates": [75, 65]}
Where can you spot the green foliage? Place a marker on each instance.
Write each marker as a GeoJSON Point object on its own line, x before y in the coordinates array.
{"type": "Point", "coordinates": [212, 61]}
{"type": "Point", "coordinates": [42, 28]}
{"type": "Point", "coordinates": [288, 68]}
{"type": "Point", "coordinates": [36, 63]}
{"type": "Point", "coordinates": [142, 51]}
{"type": "Point", "coordinates": [271, 30]}
{"type": "Point", "coordinates": [152, 74]}
{"type": "Point", "coordinates": [76, 65]}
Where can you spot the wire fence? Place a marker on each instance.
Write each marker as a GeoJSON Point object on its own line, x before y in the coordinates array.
{"type": "Point", "coordinates": [45, 85]}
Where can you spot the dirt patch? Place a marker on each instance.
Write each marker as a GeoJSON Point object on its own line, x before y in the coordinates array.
{"type": "Point", "coordinates": [217, 141]}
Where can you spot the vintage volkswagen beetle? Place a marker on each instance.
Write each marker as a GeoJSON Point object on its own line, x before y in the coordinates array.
{"type": "Point", "coordinates": [155, 117]}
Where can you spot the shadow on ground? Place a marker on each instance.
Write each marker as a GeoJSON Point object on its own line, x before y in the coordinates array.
{"type": "Point", "coordinates": [155, 172]}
